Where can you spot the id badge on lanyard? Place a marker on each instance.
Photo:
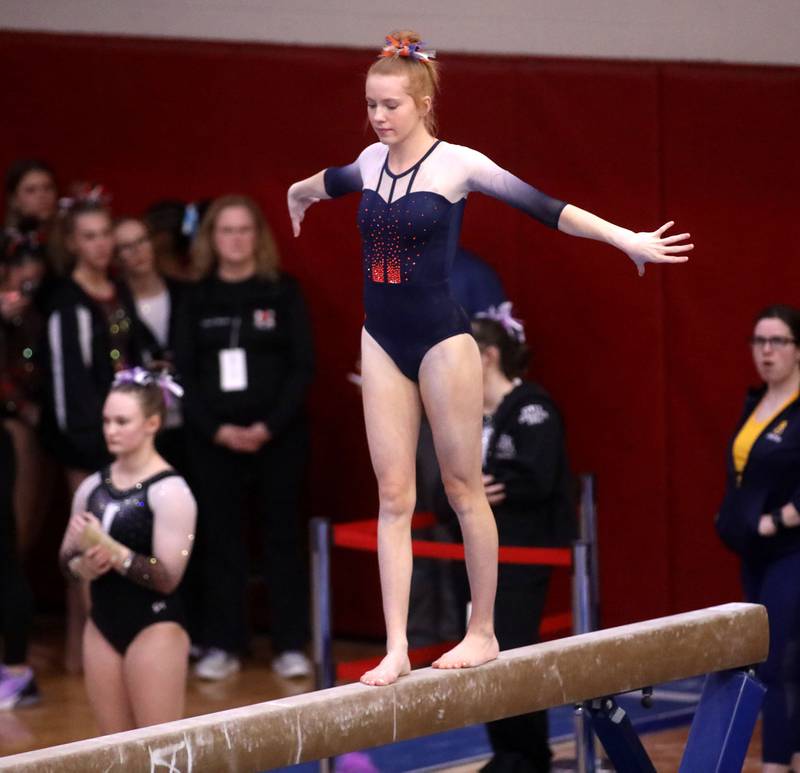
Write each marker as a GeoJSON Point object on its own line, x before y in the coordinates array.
{"type": "Point", "coordinates": [233, 362]}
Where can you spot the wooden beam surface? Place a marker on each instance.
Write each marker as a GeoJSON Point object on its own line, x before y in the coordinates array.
{"type": "Point", "coordinates": [352, 717]}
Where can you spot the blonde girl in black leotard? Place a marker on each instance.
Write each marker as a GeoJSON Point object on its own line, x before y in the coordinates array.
{"type": "Point", "coordinates": [130, 535]}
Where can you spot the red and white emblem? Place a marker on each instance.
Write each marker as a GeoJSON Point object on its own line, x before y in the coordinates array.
{"type": "Point", "coordinates": [264, 319]}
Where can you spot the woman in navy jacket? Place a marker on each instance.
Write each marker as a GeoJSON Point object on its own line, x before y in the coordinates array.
{"type": "Point", "coordinates": [760, 520]}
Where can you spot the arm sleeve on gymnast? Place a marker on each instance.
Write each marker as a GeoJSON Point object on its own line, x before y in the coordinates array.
{"type": "Point", "coordinates": [484, 176]}
{"type": "Point", "coordinates": [174, 517]}
{"type": "Point", "coordinates": [340, 180]}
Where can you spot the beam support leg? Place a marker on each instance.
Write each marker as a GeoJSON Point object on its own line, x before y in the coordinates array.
{"type": "Point", "coordinates": [620, 741]}
{"type": "Point", "coordinates": [723, 723]}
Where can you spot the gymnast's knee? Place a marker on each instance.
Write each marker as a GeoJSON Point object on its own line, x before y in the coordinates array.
{"type": "Point", "coordinates": [397, 500]}
{"type": "Point", "coordinates": [461, 494]}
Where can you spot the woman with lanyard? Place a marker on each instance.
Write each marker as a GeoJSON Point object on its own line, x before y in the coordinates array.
{"type": "Point", "coordinates": [416, 349]}
{"type": "Point", "coordinates": [760, 520]}
{"type": "Point", "coordinates": [244, 351]}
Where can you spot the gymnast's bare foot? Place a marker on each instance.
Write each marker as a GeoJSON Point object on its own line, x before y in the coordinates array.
{"type": "Point", "coordinates": [393, 666]}
{"type": "Point", "coordinates": [474, 650]}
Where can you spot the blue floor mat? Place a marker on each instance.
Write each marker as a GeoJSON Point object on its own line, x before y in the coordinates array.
{"type": "Point", "coordinates": [673, 705]}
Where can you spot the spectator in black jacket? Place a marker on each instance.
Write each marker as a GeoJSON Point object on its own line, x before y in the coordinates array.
{"type": "Point", "coordinates": [530, 489]}
{"type": "Point", "coordinates": [92, 332]}
{"type": "Point", "coordinates": [244, 351]}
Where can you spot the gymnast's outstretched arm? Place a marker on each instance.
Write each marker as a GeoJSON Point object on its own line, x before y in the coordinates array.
{"type": "Point", "coordinates": [643, 247]}
{"type": "Point", "coordinates": [330, 183]}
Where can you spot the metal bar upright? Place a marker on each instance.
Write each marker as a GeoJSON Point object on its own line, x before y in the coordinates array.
{"type": "Point", "coordinates": [582, 623]}
{"type": "Point", "coordinates": [588, 533]}
{"type": "Point", "coordinates": [321, 611]}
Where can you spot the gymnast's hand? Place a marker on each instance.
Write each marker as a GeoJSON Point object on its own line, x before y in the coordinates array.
{"type": "Point", "coordinates": [77, 523]}
{"type": "Point", "coordinates": [495, 492]}
{"type": "Point", "coordinates": [653, 247]}
{"type": "Point", "coordinates": [97, 560]}
{"type": "Point", "coordinates": [298, 202]}
{"type": "Point", "coordinates": [91, 564]}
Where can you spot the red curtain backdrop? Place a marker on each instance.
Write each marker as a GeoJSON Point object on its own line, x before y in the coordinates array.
{"type": "Point", "coordinates": [650, 372]}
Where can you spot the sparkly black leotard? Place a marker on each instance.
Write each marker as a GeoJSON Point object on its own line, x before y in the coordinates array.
{"type": "Point", "coordinates": [410, 225]}
{"type": "Point", "coordinates": [120, 607]}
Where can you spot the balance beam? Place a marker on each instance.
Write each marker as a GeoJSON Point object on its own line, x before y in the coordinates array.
{"type": "Point", "coordinates": [351, 717]}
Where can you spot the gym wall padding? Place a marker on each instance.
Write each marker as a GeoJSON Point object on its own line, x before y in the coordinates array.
{"type": "Point", "coordinates": [650, 372]}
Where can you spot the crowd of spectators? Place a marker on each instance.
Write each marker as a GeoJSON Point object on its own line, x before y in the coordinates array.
{"type": "Point", "coordinates": [192, 289]}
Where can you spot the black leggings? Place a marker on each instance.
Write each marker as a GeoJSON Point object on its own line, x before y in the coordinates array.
{"type": "Point", "coordinates": [215, 590]}
{"type": "Point", "coordinates": [520, 744]}
{"type": "Point", "coordinates": [16, 601]}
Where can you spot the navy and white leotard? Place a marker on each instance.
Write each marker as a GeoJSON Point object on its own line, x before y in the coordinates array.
{"type": "Point", "coordinates": [410, 225]}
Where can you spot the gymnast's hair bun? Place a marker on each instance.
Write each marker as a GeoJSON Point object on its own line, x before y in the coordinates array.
{"type": "Point", "coordinates": [406, 44]}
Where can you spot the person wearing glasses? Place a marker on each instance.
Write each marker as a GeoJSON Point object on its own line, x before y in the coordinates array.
{"type": "Point", "coordinates": [245, 352]}
{"type": "Point", "coordinates": [759, 519]}
{"type": "Point", "coordinates": [157, 299]}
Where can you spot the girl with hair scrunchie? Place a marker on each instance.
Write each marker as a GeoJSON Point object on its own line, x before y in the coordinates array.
{"type": "Point", "coordinates": [417, 350]}
{"type": "Point", "coordinates": [530, 490]}
{"type": "Point", "coordinates": [130, 536]}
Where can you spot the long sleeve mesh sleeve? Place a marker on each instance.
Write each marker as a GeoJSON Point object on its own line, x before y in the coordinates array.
{"type": "Point", "coordinates": [486, 177]}
{"type": "Point", "coordinates": [340, 180]}
{"type": "Point", "coordinates": [175, 515]}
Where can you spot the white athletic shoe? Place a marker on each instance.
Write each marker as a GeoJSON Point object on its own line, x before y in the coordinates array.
{"type": "Point", "coordinates": [292, 664]}
{"type": "Point", "coordinates": [217, 664]}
